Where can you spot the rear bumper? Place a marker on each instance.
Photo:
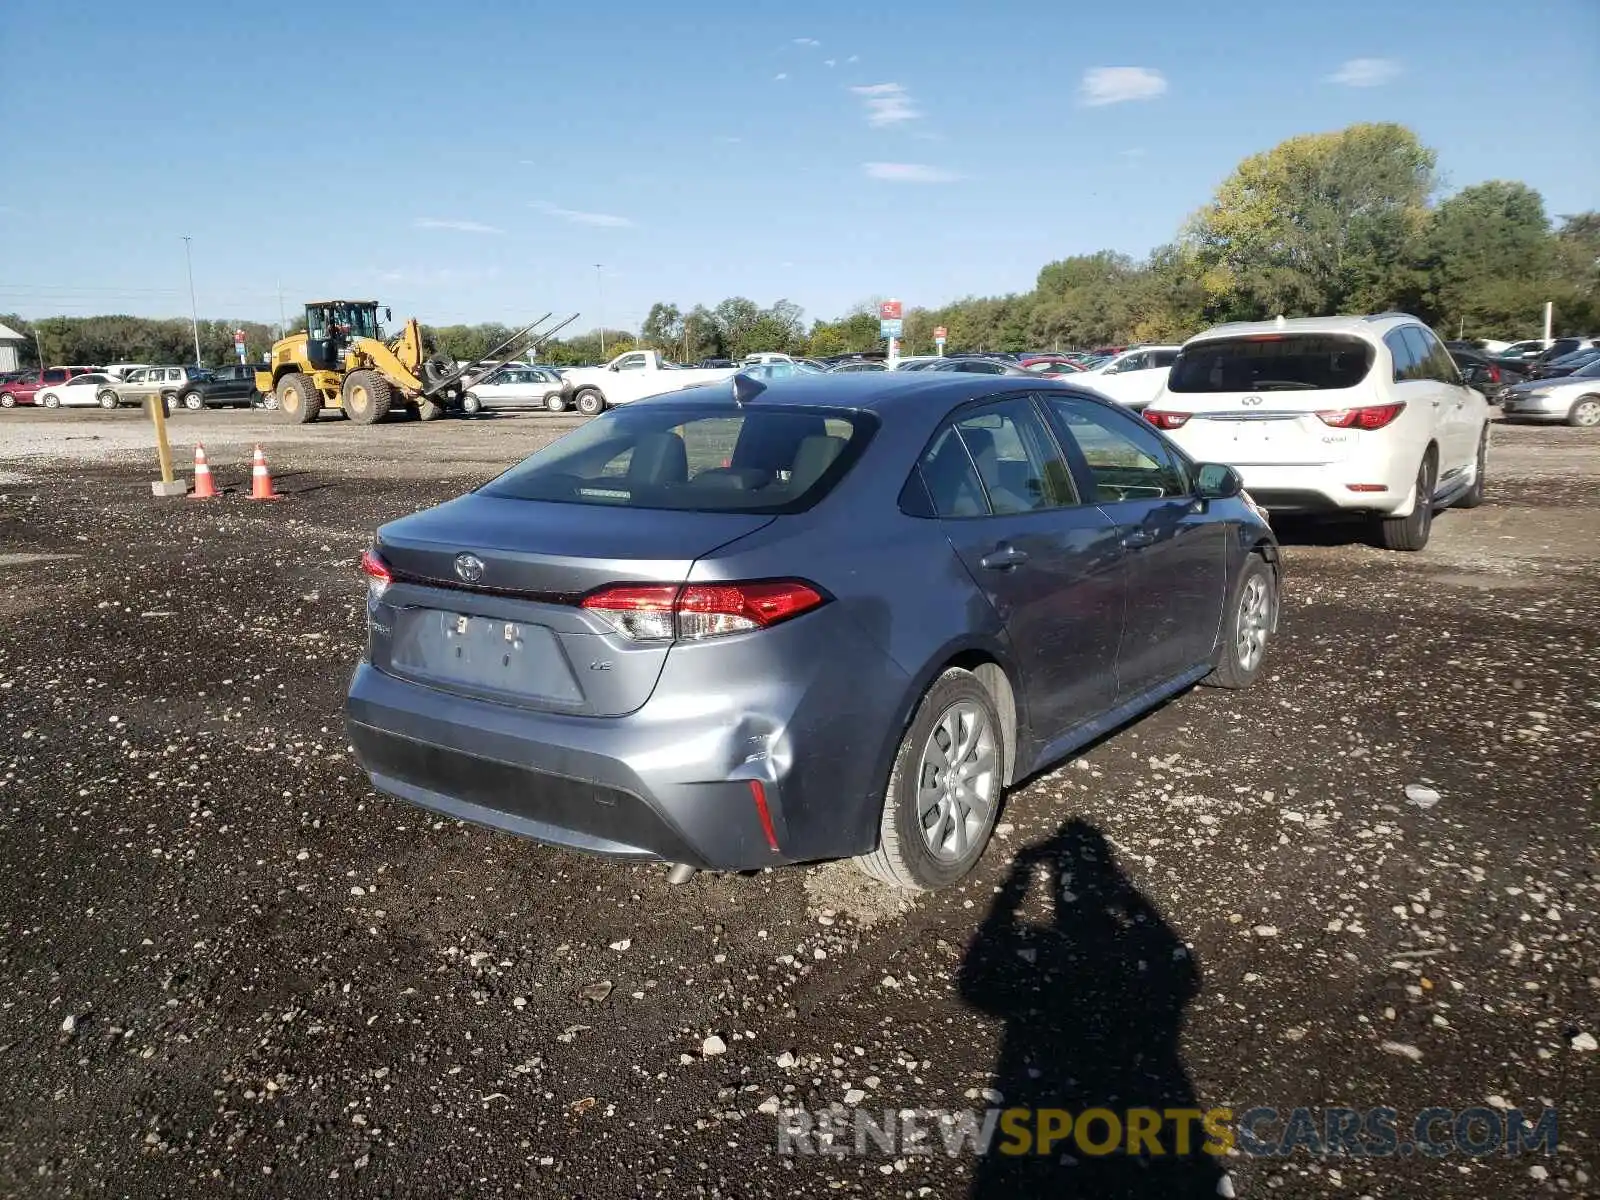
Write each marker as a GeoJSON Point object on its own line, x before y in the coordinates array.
{"type": "Point", "coordinates": [1331, 487]}
{"type": "Point", "coordinates": [795, 716]}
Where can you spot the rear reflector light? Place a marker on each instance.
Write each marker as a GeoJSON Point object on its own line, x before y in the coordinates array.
{"type": "Point", "coordinates": [1366, 487]}
{"type": "Point", "coordinates": [377, 572]}
{"type": "Point", "coordinates": [1166, 420]}
{"type": "Point", "coordinates": [758, 793]}
{"type": "Point", "coordinates": [1374, 416]}
{"type": "Point", "coordinates": [664, 612]}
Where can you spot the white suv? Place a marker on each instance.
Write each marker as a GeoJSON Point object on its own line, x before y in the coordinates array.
{"type": "Point", "coordinates": [1333, 415]}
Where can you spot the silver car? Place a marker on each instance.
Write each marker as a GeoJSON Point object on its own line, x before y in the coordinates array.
{"type": "Point", "coordinates": [738, 626]}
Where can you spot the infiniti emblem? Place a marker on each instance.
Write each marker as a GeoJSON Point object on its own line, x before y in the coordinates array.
{"type": "Point", "coordinates": [469, 568]}
{"type": "Point", "coordinates": [1251, 400]}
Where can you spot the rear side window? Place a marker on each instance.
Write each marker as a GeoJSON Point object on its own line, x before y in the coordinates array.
{"type": "Point", "coordinates": [1126, 460]}
{"type": "Point", "coordinates": [698, 459]}
{"type": "Point", "coordinates": [1271, 362]}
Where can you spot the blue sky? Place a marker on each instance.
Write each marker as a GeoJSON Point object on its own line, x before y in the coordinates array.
{"type": "Point", "coordinates": [473, 162]}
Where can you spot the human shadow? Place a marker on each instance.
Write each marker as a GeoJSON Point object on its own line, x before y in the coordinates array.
{"type": "Point", "coordinates": [1093, 1007]}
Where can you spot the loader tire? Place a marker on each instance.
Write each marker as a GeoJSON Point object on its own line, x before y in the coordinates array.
{"type": "Point", "coordinates": [366, 396]}
{"type": "Point", "coordinates": [437, 369]}
{"type": "Point", "coordinates": [429, 410]}
{"type": "Point", "coordinates": [299, 401]}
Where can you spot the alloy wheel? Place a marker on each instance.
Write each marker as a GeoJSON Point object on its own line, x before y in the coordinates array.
{"type": "Point", "coordinates": [1255, 618]}
{"type": "Point", "coordinates": [958, 781]}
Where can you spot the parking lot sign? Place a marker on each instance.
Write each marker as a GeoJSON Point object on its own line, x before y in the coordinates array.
{"type": "Point", "coordinates": [890, 327]}
{"type": "Point", "coordinates": [939, 332]}
{"type": "Point", "coordinates": [890, 310]}
{"type": "Point", "coordinates": [238, 343]}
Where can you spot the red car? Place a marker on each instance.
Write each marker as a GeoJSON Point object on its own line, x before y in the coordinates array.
{"type": "Point", "coordinates": [1035, 361]}
{"type": "Point", "coordinates": [23, 390]}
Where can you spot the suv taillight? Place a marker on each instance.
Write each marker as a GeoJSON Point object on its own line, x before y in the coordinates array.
{"type": "Point", "coordinates": [377, 572]}
{"type": "Point", "coordinates": [1374, 416]}
{"type": "Point", "coordinates": [1166, 420]}
{"type": "Point", "coordinates": [665, 612]}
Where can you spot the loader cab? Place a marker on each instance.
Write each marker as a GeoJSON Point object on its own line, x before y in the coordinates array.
{"type": "Point", "coordinates": [330, 324]}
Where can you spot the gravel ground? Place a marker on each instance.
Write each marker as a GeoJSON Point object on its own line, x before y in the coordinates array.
{"type": "Point", "coordinates": [229, 966]}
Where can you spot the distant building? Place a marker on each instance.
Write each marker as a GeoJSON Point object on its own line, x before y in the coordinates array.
{"type": "Point", "coordinates": [10, 339]}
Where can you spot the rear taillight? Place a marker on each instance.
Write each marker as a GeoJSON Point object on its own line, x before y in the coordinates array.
{"type": "Point", "coordinates": [377, 572]}
{"type": "Point", "coordinates": [1166, 420]}
{"type": "Point", "coordinates": [1494, 373]}
{"type": "Point", "coordinates": [1374, 416]}
{"type": "Point", "coordinates": [664, 612]}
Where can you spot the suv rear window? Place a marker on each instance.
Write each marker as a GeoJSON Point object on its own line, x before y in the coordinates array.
{"type": "Point", "coordinates": [1272, 362]}
{"type": "Point", "coordinates": [697, 459]}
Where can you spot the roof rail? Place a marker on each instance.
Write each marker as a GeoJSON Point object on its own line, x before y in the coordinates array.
{"type": "Point", "coordinates": [1384, 316]}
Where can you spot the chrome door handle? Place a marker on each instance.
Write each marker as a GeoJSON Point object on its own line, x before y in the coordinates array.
{"type": "Point", "coordinates": [1004, 557]}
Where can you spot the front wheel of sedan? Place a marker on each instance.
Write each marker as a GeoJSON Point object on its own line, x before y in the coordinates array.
{"type": "Point", "coordinates": [944, 790]}
{"type": "Point", "coordinates": [1251, 620]}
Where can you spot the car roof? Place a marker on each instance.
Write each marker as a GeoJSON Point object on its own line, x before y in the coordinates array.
{"type": "Point", "coordinates": [1371, 327]}
{"type": "Point", "coordinates": [873, 391]}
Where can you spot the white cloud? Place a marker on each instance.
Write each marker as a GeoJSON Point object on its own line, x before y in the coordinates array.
{"type": "Point", "coordinates": [1366, 72]}
{"type": "Point", "coordinates": [457, 226]}
{"type": "Point", "coordinates": [908, 173]}
{"type": "Point", "coordinates": [887, 104]}
{"type": "Point", "coordinates": [1131, 153]}
{"type": "Point", "coordinates": [600, 220]}
{"type": "Point", "coordinates": [780, 75]}
{"type": "Point", "coordinates": [1114, 85]}
{"type": "Point", "coordinates": [730, 141]}
{"type": "Point", "coordinates": [807, 42]}
{"type": "Point", "coordinates": [854, 58]}
{"type": "Point", "coordinates": [828, 62]}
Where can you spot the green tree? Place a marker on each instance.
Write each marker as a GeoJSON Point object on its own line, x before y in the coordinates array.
{"type": "Point", "coordinates": [1321, 223]}
{"type": "Point", "coordinates": [663, 327]}
{"type": "Point", "coordinates": [1488, 257]}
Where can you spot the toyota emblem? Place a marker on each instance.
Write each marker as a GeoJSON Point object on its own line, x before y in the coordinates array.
{"type": "Point", "coordinates": [1251, 400]}
{"type": "Point", "coordinates": [469, 568]}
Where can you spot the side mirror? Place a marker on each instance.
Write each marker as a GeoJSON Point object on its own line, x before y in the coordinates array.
{"type": "Point", "coordinates": [613, 367]}
{"type": "Point", "coordinates": [388, 315]}
{"type": "Point", "coordinates": [1217, 481]}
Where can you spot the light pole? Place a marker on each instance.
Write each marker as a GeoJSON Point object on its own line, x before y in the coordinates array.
{"type": "Point", "coordinates": [600, 307]}
{"type": "Point", "coordinates": [194, 311]}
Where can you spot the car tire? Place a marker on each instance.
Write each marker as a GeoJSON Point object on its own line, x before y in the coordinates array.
{"type": "Point", "coordinates": [1474, 495]}
{"type": "Point", "coordinates": [960, 709]}
{"type": "Point", "coordinates": [1585, 412]}
{"type": "Point", "coordinates": [1411, 531]}
{"type": "Point", "coordinates": [107, 400]}
{"type": "Point", "coordinates": [470, 405]}
{"type": "Point", "coordinates": [590, 402]}
{"type": "Point", "coordinates": [52, 401]}
{"type": "Point", "coordinates": [1248, 626]}
{"type": "Point", "coordinates": [299, 402]}
{"type": "Point", "coordinates": [7, 400]}
{"type": "Point", "coordinates": [366, 397]}
{"type": "Point", "coordinates": [555, 402]}
{"type": "Point", "coordinates": [193, 401]}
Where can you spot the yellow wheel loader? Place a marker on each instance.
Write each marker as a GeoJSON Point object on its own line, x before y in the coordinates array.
{"type": "Point", "coordinates": [343, 361]}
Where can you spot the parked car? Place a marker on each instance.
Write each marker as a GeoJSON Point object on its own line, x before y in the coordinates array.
{"type": "Point", "coordinates": [628, 377]}
{"type": "Point", "coordinates": [141, 382]}
{"type": "Point", "coordinates": [858, 365]}
{"type": "Point", "coordinates": [1325, 415]}
{"type": "Point", "coordinates": [917, 362]}
{"type": "Point", "coordinates": [1566, 364]}
{"type": "Point", "coordinates": [1573, 398]}
{"type": "Point", "coordinates": [1054, 369]}
{"type": "Point", "coordinates": [81, 391]}
{"type": "Point", "coordinates": [1132, 378]}
{"type": "Point", "coordinates": [1487, 374]}
{"type": "Point", "coordinates": [23, 389]}
{"type": "Point", "coordinates": [230, 385]}
{"type": "Point", "coordinates": [516, 387]}
{"type": "Point", "coordinates": [1524, 350]}
{"type": "Point", "coordinates": [978, 366]}
{"type": "Point", "coordinates": [120, 370]}
{"type": "Point", "coordinates": [711, 364]}
{"type": "Point", "coordinates": [1042, 360]}
{"type": "Point", "coordinates": [833, 619]}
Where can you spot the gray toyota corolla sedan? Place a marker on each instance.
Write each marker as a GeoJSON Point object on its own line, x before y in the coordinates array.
{"type": "Point", "coordinates": [740, 626]}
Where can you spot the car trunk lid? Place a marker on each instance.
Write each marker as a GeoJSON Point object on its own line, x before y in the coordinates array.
{"type": "Point", "coordinates": [485, 591]}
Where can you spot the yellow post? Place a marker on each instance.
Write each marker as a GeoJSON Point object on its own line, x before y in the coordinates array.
{"type": "Point", "coordinates": [167, 485]}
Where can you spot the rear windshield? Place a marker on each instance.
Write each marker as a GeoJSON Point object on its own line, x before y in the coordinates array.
{"type": "Point", "coordinates": [700, 459]}
{"type": "Point", "coordinates": [1275, 362]}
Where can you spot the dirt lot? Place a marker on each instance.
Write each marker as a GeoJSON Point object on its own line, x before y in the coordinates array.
{"type": "Point", "coordinates": [230, 967]}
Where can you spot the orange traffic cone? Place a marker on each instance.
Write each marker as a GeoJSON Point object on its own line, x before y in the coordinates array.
{"type": "Point", "coordinates": [204, 486]}
{"type": "Point", "coordinates": [261, 479]}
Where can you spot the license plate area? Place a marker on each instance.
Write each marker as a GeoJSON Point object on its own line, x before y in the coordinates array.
{"type": "Point", "coordinates": [512, 659]}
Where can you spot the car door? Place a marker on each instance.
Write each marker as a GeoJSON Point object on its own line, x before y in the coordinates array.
{"type": "Point", "coordinates": [1428, 382]}
{"type": "Point", "coordinates": [1050, 565]}
{"type": "Point", "coordinates": [1464, 410]}
{"type": "Point", "coordinates": [1177, 554]}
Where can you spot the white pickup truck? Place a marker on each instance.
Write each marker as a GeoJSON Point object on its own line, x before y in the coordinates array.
{"type": "Point", "coordinates": [632, 376]}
